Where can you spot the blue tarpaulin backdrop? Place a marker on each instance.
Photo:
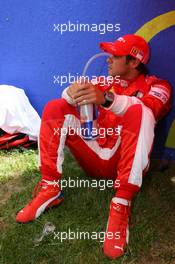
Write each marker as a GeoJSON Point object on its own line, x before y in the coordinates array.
{"type": "Point", "coordinates": [33, 52]}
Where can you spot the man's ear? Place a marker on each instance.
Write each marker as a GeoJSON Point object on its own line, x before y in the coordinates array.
{"type": "Point", "coordinates": [134, 63]}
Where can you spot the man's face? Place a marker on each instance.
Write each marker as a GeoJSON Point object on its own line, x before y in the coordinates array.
{"type": "Point", "coordinates": [117, 66]}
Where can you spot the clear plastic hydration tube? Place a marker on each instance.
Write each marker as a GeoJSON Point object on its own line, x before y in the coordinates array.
{"type": "Point", "coordinates": [94, 57]}
{"type": "Point", "coordinates": [88, 113]}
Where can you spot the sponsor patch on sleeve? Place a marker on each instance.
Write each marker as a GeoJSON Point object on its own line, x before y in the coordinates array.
{"type": "Point", "coordinates": [160, 92]}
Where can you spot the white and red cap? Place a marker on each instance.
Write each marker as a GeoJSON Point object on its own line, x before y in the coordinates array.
{"type": "Point", "coordinates": [131, 44]}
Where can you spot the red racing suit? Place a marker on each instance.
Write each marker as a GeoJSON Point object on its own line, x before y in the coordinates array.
{"type": "Point", "coordinates": [124, 156]}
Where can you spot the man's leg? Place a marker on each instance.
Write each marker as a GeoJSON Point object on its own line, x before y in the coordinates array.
{"type": "Point", "coordinates": [47, 193]}
{"type": "Point", "coordinates": [136, 144]}
{"type": "Point", "coordinates": [60, 121]}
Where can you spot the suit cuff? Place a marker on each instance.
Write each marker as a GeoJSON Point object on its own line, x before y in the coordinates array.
{"type": "Point", "coordinates": [67, 97]}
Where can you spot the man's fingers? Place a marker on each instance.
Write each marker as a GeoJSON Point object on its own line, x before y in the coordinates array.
{"type": "Point", "coordinates": [81, 93]}
{"type": "Point", "coordinates": [84, 99]}
{"type": "Point", "coordinates": [84, 90]}
{"type": "Point", "coordinates": [77, 90]}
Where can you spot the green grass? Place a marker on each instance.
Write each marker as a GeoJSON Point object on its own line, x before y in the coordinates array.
{"type": "Point", "coordinates": [152, 232]}
{"type": "Point", "coordinates": [16, 162]}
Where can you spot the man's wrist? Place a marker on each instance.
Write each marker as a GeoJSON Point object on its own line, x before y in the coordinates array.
{"type": "Point", "coordinates": [109, 99]}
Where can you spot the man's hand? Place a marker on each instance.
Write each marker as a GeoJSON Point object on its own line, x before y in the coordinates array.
{"type": "Point", "coordinates": [86, 93]}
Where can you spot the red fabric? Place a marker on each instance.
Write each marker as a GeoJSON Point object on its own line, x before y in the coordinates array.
{"type": "Point", "coordinates": [141, 85]}
{"type": "Point", "coordinates": [8, 141]}
{"type": "Point", "coordinates": [129, 135]}
{"type": "Point", "coordinates": [53, 118]}
{"type": "Point", "coordinates": [130, 44]}
{"type": "Point", "coordinates": [52, 121]}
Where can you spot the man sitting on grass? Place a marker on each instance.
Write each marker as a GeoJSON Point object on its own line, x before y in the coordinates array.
{"type": "Point", "coordinates": [134, 102]}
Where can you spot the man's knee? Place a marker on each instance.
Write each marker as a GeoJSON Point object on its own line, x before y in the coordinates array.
{"type": "Point", "coordinates": [134, 111]}
{"type": "Point", "coordinates": [56, 108]}
{"type": "Point", "coordinates": [133, 117]}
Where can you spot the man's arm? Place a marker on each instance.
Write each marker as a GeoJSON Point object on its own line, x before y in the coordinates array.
{"type": "Point", "coordinates": [158, 100]}
{"type": "Point", "coordinates": [83, 93]}
{"type": "Point", "coordinates": [122, 103]}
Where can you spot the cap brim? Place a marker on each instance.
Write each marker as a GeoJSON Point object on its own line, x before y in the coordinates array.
{"type": "Point", "coordinates": [112, 48]}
